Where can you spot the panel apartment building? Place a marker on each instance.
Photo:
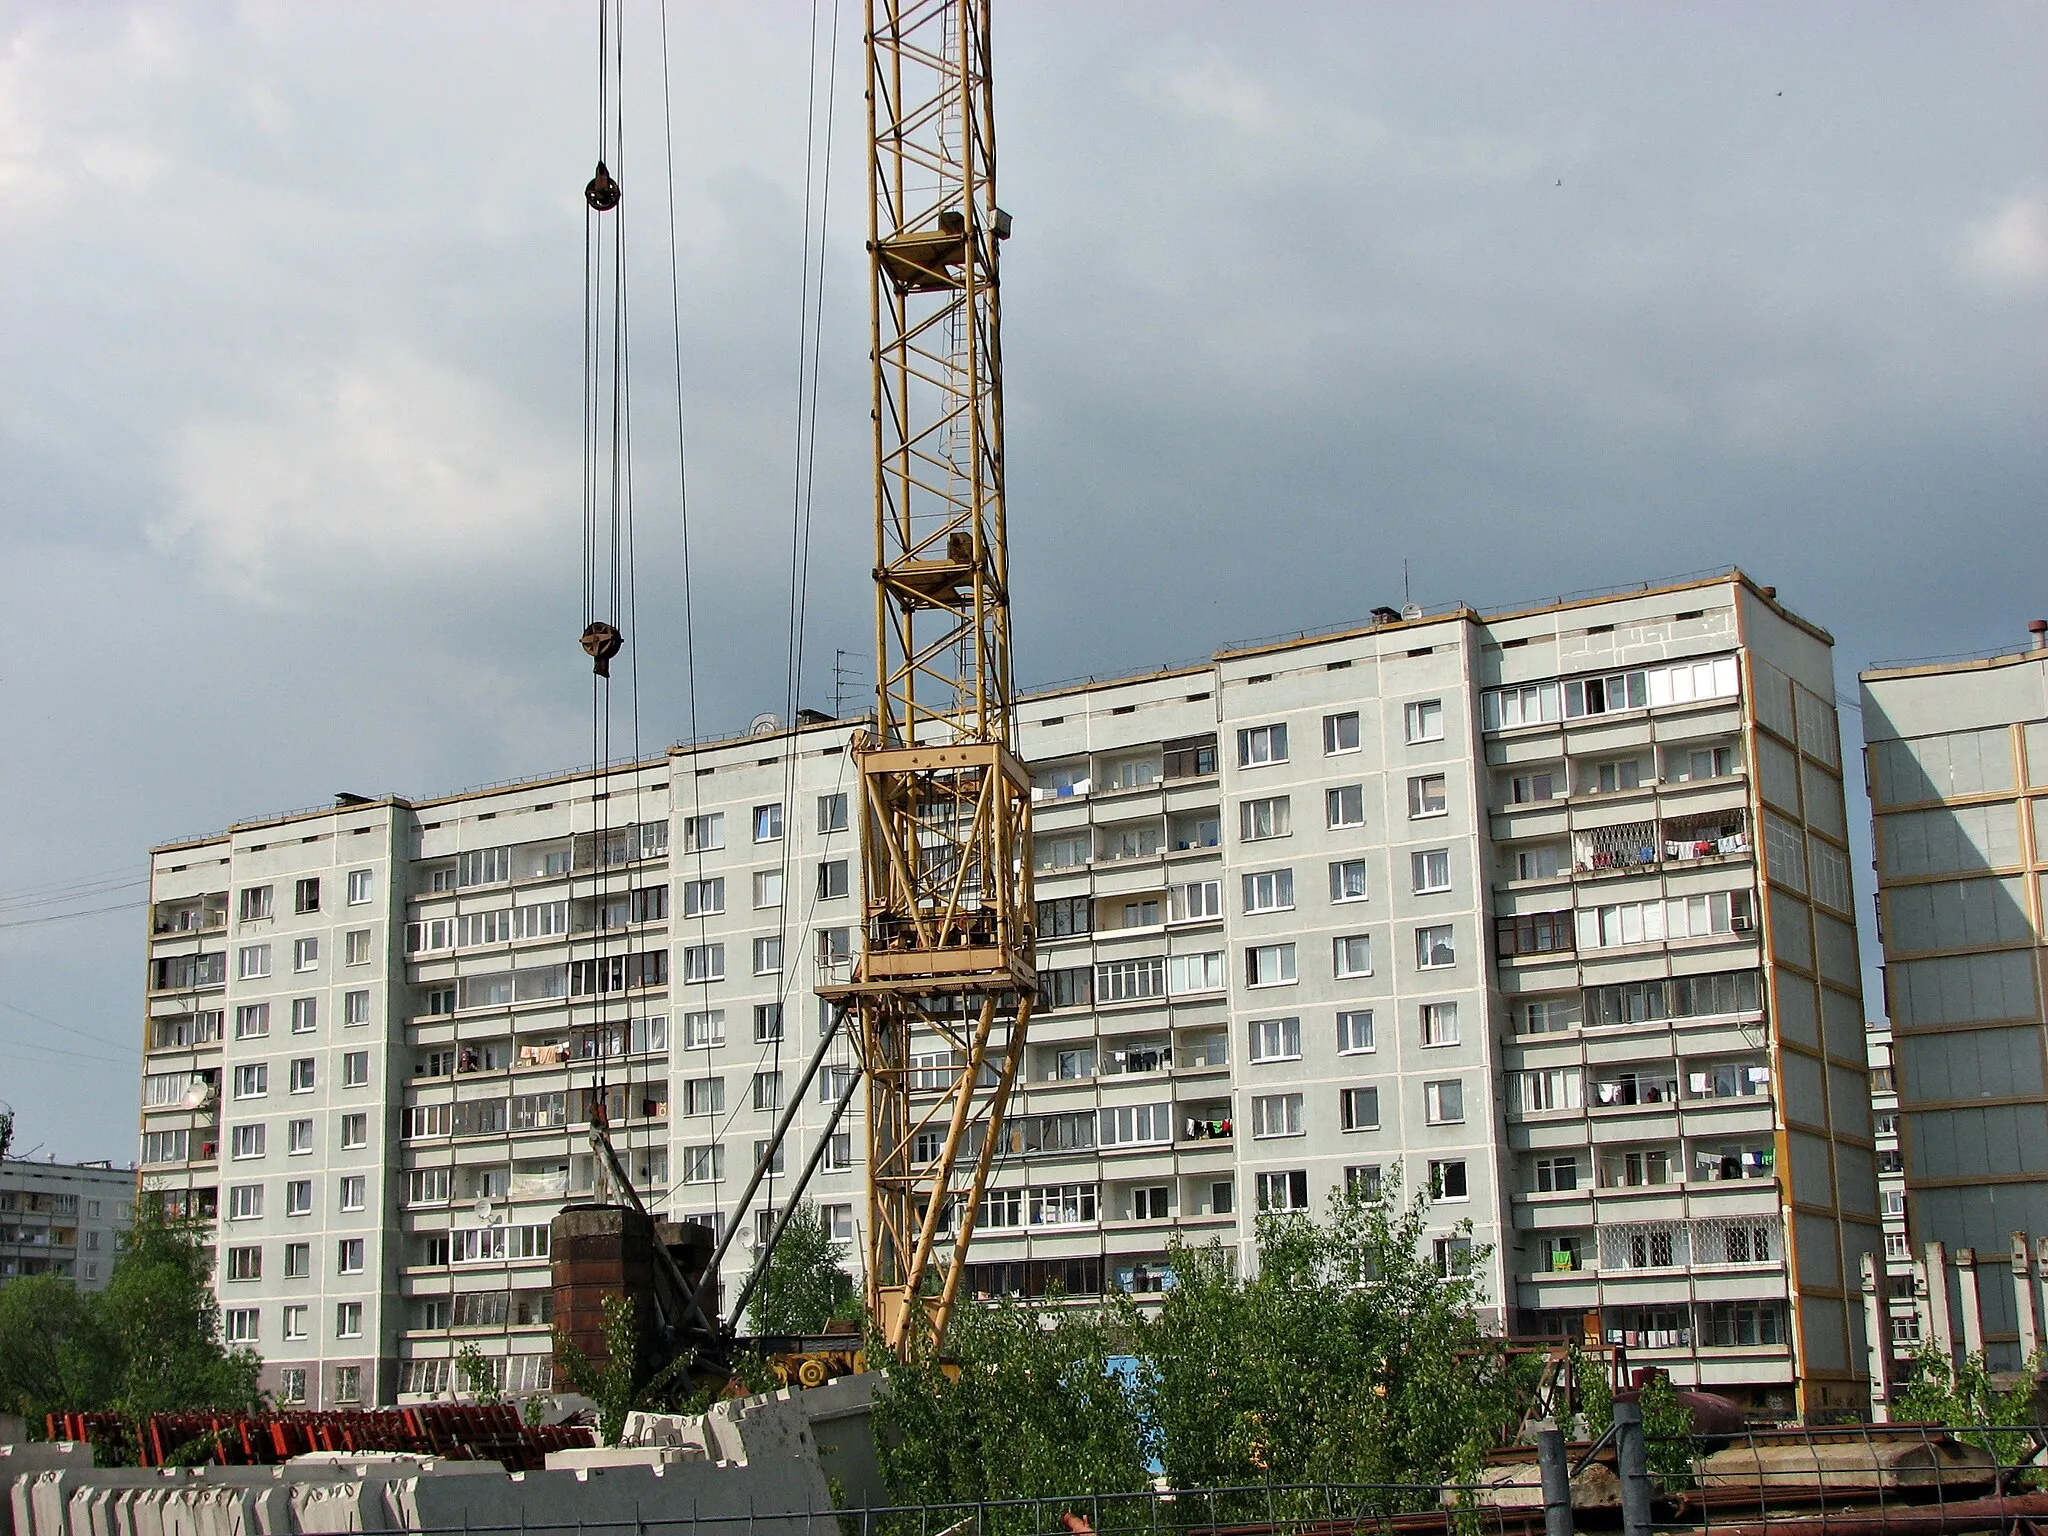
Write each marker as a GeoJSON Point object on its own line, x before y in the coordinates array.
{"type": "Point", "coordinates": [1957, 762]}
{"type": "Point", "coordinates": [63, 1219]}
{"type": "Point", "coordinates": [1546, 912]}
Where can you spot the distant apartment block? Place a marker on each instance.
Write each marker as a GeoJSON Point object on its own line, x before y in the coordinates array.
{"type": "Point", "coordinates": [1957, 763]}
{"type": "Point", "coordinates": [63, 1219]}
{"type": "Point", "coordinates": [1547, 913]}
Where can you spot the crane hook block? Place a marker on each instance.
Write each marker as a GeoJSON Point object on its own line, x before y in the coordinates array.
{"type": "Point", "coordinates": [603, 643]}
{"type": "Point", "coordinates": [604, 191]}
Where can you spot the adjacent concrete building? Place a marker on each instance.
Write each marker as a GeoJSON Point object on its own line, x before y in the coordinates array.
{"type": "Point", "coordinates": [63, 1219]}
{"type": "Point", "coordinates": [1957, 764]}
{"type": "Point", "coordinates": [1547, 912]}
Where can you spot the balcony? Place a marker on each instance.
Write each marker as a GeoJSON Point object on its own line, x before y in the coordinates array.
{"type": "Point", "coordinates": [1606, 850]}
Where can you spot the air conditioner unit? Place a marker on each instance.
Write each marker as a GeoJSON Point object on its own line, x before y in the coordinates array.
{"type": "Point", "coordinates": [1741, 924]}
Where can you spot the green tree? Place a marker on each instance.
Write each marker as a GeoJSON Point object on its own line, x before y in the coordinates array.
{"type": "Point", "coordinates": [1963, 1396]}
{"type": "Point", "coordinates": [1348, 1357]}
{"type": "Point", "coordinates": [1024, 1404]}
{"type": "Point", "coordinates": [478, 1375]}
{"type": "Point", "coordinates": [803, 1287]}
{"type": "Point", "coordinates": [162, 1319]}
{"type": "Point", "coordinates": [619, 1386]}
{"type": "Point", "coordinates": [149, 1343]}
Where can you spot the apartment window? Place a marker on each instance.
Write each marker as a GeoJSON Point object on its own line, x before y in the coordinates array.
{"type": "Point", "coordinates": [252, 1080]}
{"type": "Point", "coordinates": [298, 1137]}
{"type": "Point", "coordinates": [1506, 708]}
{"type": "Point", "coordinates": [831, 813]}
{"type": "Point", "coordinates": [356, 947]}
{"type": "Point", "coordinates": [702, 1031]}
{"type": "Point", "coordinates": [1347, 881]}
{"type": "Point", "coordinates": [1685, 765]}
{"type": "Point", "coordinates": [247, 1140]}
{"type": "Point", "coordinates": [1275, 1039]}
{"type": "Point", "coordinates": [1065, 917]}
{"type": "Point", "coordinates": [1545, 863]}
{"type": "Point", "coordinates": [703, 898]}
{"type": "Point", "coordinates": [293, 1389]}
{"type": "Point", "coordinates": [1447, 1178]}
{"type": "Point", "coordinates": [255, 903]}
{"type": "Point", "coordinates": [703, 1165]}
{"type": "Point", "coordinates": [1261, 744]}
{"type": "Point", "coordinates": [348, 1320]}
{"type": "Point", "coordinates": [1894, 1201]}
{"type": "Point", "coordinates": [355, 1131]}
{"type": "Point", "coordinates": [1131, 1125]}
{"type": "Point", "coordinates": [1187, 974]}
{"type": "Point", "coordinates": [1344, 806]}
{"type": "Point", "coordinates": [348, 1256]}
{"type": "Point", "coordinates": [245, 1202]}
{"type": "Point", "coordinates": [1452, 1256]}
{"type": "Point", "coordinates": [1285, 1191]}
{"type": "Point", "coordinates": [1361, 1108]}
{"type": "Point", "coordinates": [1613, 778]}
{"type": "Point", "coordinates": [1257, 819]}
{"type": "Point", "coordinates": [1190, 757]}
{"type": "Point", "coordinates": [306, 895]}
{"type": "Point", "coordinates": [767, 1023]}
{"type": "Point", "coordinates": [1434, 948]}
{"type": "Point", "coordinates": [298, 1257]}
{"type": "Point", "coordinates": [1071, 987]}
{"type": "Point", "coordinates": [1354, 1032]}
{"type": "Point", "coordinates": [1549, 1088]}
{"type": "Point", "coordinates": [305, 1015]}
{"type": "Point", "coordinates": [832, 880]}
{"type": "Point", "coordinates": [1150, 1203]}
{"type": "Point", "coordinates": [703, 963]}
{"type": "Point", "coordinates": [704, 1096]}
{"type": "Point", "coordinates": [348, 1383]}
{"type": "Point", "coordinates": [767, 888]}
{"type": "Point", "coordinates": [1125, 981]}
{"type": "Point", "coordinates": [1363, 1181]}
{"type": "Point", "coordinates": [355, 1069]}
{"type": "Point", "coordinates": [1896, 1246]}
{"type": "Point", "coordinates": [1223, 1197]}
{"type": "Point", "coordinates": [1269, 965]}
{"type": "Point", "coordinates": [1887, 1125]}
{"type": "Point", "coordinates": [701, 834]}
{"type": "Point", "coordinates": [1425, 720]}
{"type": "Point", "coordinates": [1556, 1175]}
{"type": "Point", "coordinates": [767, 1090]}
{"type": "Point", "coordinates": [1352, 954]}
{"type": "Point", "coordinates": [1276, 1114]}
{"type": "Point", "coordinates": [1439, 1023]}
{"type": "Point", "coordinates": [427, 1186]}
{"type": "Point", "coordinates": [1340, 733]}
{"type": "Point", "coordinates": [1427, 796]}
{"type": "Point", "coordinates": [302, 1071]}
{"type": "Point", "coordinates": [355, 1008]}
{"type": "Point", "coordinates": [1270, 891]}
{"type": "Point", "coordinates": [252, 962]}
{"type": "Point", "coordinates": [238, 1324]}
{"type": "Point", "coordinates": [838, 1152]}
{"type": "Point", "coordinates": [1532, 788]}
{"type": "Point", "coordinates": [768, 955]}
{"type": "Point", "coordinates": [1195, 900]}
{"type": "Point", "coordinates": [1431, 870]}
{"type": "Point", "coordinates": [305, 954]}
{"type": "Point", "coordinates": [359, 887]}
{"type": "Point", "coordinates": [1533, 933]}
{"type": "Point", "coordinates": [1443, 1102]}
{"type": "Point", "coordinates": [353, 1187]}
{"type": "Point", "coordinates": [767, 823]}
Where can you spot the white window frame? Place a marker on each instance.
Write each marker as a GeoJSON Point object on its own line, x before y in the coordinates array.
{"type": "Point", "coordinates": [1272, 813]}
{"type": "Point", "coordinates": [1276, 1116]}
{"type": "Point", "coordinates": [704, 1029]}
{"type": "Point", "coordinates": [1344, 807]}
{"type": "Point", "coordinates": [1355, 1035]}
{"type": "Point", "coordinates": [1434, 1109]}
{"type": "Point", "coordinates": [360, 883]}
{"type": "Point", "coordinates": [1351, 1105]}
{"type": "Point", "coordinates": [1274, 1040]}
{"type": "Point", "coordinates": [1270, 965]}
{"type": "Point", "coordinates": [768, 823]}
{"type": "Point", "coordinates": [1268, 890]}
{"type": "Point", "coordinates": [1438, 1024]}
{"type": "Point", "coordinates": [1430, 870]}
{"type": "Point", "coordinates": [1334, 730]}
{"type": "Point", "coordinates": [1423, 720]}
{"type": "Point", "coordinates": [1419, 808]}
{"type": "Point", "coordinates": [1351, 955]}
{"type": "Point", "coordinates": [1259, 746]}
{"type": "Point", "coordinates": [1344, 873]}
{"type": "Point", "coordinates": [1436, 946]}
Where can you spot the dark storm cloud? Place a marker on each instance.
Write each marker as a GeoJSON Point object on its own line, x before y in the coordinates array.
{"type": "Point", "coordinates": [1536, 299]}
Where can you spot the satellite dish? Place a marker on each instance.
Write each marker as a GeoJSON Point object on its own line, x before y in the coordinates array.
{"type": "Point", "coordinates": [766, 724]}
{"type": "Point", "coordinates": [483, 1210]}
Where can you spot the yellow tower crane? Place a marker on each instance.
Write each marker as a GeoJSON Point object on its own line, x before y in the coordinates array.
{"type": "Point", "coordinates": [942, 988]}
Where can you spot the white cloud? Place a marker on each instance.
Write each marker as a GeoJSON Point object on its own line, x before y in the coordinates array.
{"type": "Point", "coordinates": [2010, 249]}
{"type": "Point", "coordinates": [388, 460]}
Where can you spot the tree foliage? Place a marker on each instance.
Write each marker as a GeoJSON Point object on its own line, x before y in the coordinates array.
{"type": "Point", "coordinates": [149, 1343]}
{"type": "Point", "coordinates": [620, 1386]}
{"type": "Point", "coordinates": [1346, 1358]}
{"type": "Point", "coordinates": [804, 1287]}
{"type": "Point", "coordinates": [1942, 1391]}
{"type": "Point", "coordinates": [1026, 1404]}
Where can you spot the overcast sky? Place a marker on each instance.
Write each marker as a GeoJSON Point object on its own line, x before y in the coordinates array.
{"type": "Point", "coordinates": [1536, 299]}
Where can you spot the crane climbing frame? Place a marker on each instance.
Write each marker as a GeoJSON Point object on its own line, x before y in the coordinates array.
{"type": "Point", "coordinates": [942, 988]}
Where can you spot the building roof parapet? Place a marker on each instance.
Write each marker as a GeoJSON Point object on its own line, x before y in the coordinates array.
{"type": "Point", "coordinates": [1973, 661]}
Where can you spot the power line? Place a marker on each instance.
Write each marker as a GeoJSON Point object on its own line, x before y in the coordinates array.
{"type": "Point", "coordinates": [65, 917]}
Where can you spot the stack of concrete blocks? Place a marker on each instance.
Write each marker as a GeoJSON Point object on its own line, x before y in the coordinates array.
{"type": "Point", "coordinates": [751, 1466]}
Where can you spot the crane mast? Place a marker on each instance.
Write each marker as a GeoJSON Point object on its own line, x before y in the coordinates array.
{"type": "Point", "coordinates": [941, 989]}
